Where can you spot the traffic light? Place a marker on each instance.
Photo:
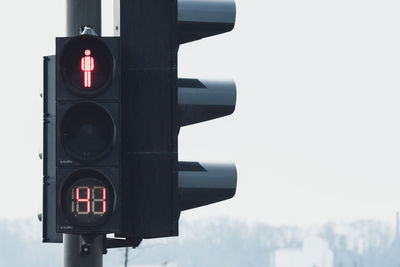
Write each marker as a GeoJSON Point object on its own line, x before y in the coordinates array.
{"type": "Point", "coordinates": [201, 100]}
{"type": "Point", "coordinates": [82, 137]}
{"type": "Point", "coordinates": [113, 108]}
{"type": "Point", "coordinates": [155, 104]}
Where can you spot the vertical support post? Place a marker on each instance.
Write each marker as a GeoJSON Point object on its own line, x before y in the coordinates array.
{"type": "Point", "coordinates": [76, 254]}
{"type": "Point", "coordinates": [82, 13]}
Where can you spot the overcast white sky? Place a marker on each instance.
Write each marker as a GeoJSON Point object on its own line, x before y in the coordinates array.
{"type": "Point", "coordinates": [315, 135]}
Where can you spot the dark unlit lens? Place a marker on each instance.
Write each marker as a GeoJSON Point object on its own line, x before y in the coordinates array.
{"type": "Point", "coordinates": [87, 131]}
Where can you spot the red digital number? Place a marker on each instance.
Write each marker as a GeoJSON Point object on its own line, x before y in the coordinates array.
{"type": "Point", "coordinates": [102, 200]}
{"type": "Point", "coordinates": [79, 200]}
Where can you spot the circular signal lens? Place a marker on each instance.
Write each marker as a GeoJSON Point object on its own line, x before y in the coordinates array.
{"type": "Point", "coordinates": [87, 131]}
{"type": "Point", "coordinates": [87, 65]}
{"type": "Point", "coordinates": [87, 198]}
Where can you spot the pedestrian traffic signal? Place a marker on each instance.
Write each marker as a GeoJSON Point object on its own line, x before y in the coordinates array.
{"type": "Point", "coordinates": [113, 108]}
{"type": "Point", "coordinates": [82, 136]}
{"type": "Point", "coordinates": [87, 65]}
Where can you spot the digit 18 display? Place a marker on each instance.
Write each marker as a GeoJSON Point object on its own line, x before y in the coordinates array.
{"type": "Point", "coordinates": [88, 201]}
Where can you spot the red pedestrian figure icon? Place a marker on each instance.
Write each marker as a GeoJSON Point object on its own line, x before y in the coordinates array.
{"type": "Point", "coordinates": [87, 66]}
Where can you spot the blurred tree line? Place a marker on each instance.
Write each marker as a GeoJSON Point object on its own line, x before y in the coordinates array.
{"type": "Point", "coordinates": [218, 243]}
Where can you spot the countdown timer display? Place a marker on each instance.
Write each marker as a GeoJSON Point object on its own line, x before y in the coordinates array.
{"type": "Point", "coordinates": [87, 198]}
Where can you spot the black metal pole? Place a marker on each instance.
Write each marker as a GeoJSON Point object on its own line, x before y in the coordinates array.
{"type": "Point", "coordinates": [77, 253]}
{"type": "Point", "coordinates": [82, 13]}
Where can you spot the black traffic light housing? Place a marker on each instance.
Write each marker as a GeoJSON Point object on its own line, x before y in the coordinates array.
{"type": "Point", "coordinates": [149, 121]}
{"type": "Point", "coordinates": [82, 137]}
{"type": "Point", "coordinates": [114, 123]}
{"type": "Point", "coordinates": [155, 104]}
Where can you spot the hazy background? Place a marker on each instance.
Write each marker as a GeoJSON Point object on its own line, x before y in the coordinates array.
{"type": "Point", "coordinates": [315, 134]}
{"type": "Point", "coordinates": [219, 243]}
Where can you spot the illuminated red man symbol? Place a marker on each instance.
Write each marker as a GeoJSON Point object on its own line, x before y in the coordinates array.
{"type": "Point", "coordinates": [87, 66]}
